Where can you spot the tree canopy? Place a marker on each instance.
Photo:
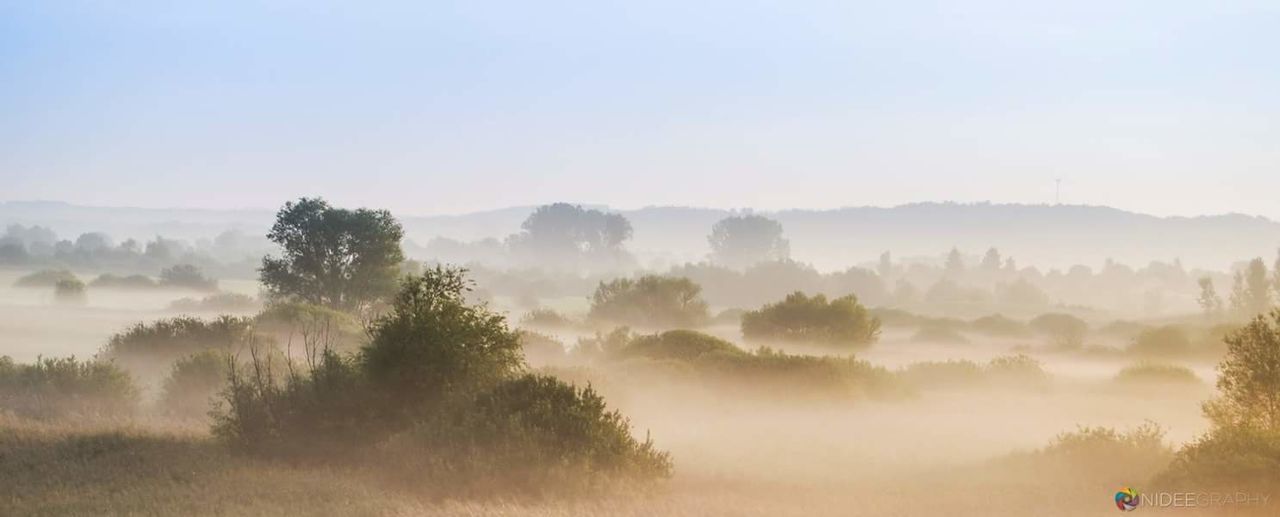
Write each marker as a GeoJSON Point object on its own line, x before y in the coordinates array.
{"type": "Point", "coordinates": [742, 241]}
{"type": "Point", "coordinates": [345, 259]}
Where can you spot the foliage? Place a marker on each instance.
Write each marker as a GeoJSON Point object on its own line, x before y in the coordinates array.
{"type": "Point", "coordinates": [131, 282]}
{"type": "Point", "coordinates": [742, 241]}
{"type": "Point", "coordinates": [649, 302]}
{"type": "Point", "coordinates": [1168, 340]}
{"type": "Point", "coordinates": [55, 387]}
{"type": "Point", "coordinates": [165, 340]}
{"type": "Point", "coordinates": [1064, 330]}
{"type": "Point", "coordinates": [813, 320]}
{"type": "Point", "coordinates": [999, 325]}
{"type": "Point", "coordinates": [187, 276]}
{"type": "Point", "coordinates": [1137, 453]}
{"type": "Point", "coordinates": [69, 291]}
{"type": "Point", "coordinates": [434, 345]}
{"type": "Point", "coordinates": [1230, 456]}
{"type": "Point", "coordinates": [44, 278]}
{"type": "Point", "coordinates": [541, 348]}
{"type": "Point", "coordinates": [1157, 373]}
{"type": "Point", "coordinates": [685, 345]}
{"type": "Point", "coordinates": [220, 302]}
{"type": "Point", "coordinates": [1017, 369]}
{"type": "Point", "coordinates": [530, 434]}
{"type": "Point", "coordinates": [339, 258]}
{"type": "Point", "coordinates": [1249, 377]}
{"type": "Point", "coordinates": [193, 383]}
{"type": "Point", "coordinates": [563, 235]}
{"type": "Point", "coordinates": [1251, 290]}
{"type": "Point", "coordinates": [547, 319]}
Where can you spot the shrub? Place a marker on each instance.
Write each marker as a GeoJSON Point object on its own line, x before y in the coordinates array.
{"type": "Point", "coordinates": [1017, 369]}
{"type": "Point", "coordinates": [1157, 373]}
{"type": "Point", "coordinates": [1063, 330]}
{"type": "Point", "coordinates": [813, 320]}
{"type": "Point", "coordinates": [541, 348]}
{"type": "Point", "coordinates": [187, 276]}
{"type": "Point", "coordinates": [165, 340]}
{"type": "Point", "coordinates": [1169, 340]}
{"type": "Point", "coordinates": [194, 382]}
{"type": "Point", "coordinates": [69, 292]}
{"type": "Point", "coordinates": [547, 319]}
{"type": "Point", "coordinates": [531, 434]}
{"type": "Point", "coordinates": [1233, 456]}
{"type": "Point", "coordinates": [649, 302]}
{"type": "Point", "coordinates": [135, 282]}
{"type": "Point", "coordinates": [1136, 454]}
{"type": "Point", "coordinates": [938, 374]}
{"type": "Point", "coordinates": [64, 386]}
{"type": "Point", "coordinates": [221, 302]}
{"type": "Point", "coordinates": [684, 345]}
{"type": "Point", "coordinates": [44, 278]}
{"type": "Point", "coordinates": [1000, 326]}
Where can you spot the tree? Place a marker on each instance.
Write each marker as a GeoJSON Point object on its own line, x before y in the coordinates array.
{"type": "Point", "coordinates": [1249, 377]}
{"type": "Point", "coordinates": [742, 241]}
{"type": "Point", "coordinates": [885, 267]}
{"type": "Point", "coordinates": [813, 320]}
{"type": "Point", "coordinates": [991, 261]}
{"type": "Point", "coordinates": [188, 276]}
{"type": "Point", "coordinates": [344, 259]}
{"type": "Point", "coordinates": [650, 301]}
{"type": "Point", "coordinates": [1065, 330]}
{"type": "Point", "coordinates": [955, 261]}
{"type": "Point", "coordinates": [562, 231]}
{"type": "Point", "coordinates": [1209, 300]}
{"type": "Point", "coordinates": [1251, 290]}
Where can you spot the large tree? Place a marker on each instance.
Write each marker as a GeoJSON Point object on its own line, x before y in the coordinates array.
{"type": "Point", "coordinates": [565, 232]}
{"type": "Point", "coordinates": [745, 240]}
{"type": "Point", "coordinates": [345, 259]}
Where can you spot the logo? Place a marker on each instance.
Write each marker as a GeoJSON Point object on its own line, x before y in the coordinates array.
{"type": "Point", "coordinates": [1127, 499]}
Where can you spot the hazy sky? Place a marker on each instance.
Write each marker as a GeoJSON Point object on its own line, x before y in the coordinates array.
{"type": "Point", "coordinates": [1160, 106]}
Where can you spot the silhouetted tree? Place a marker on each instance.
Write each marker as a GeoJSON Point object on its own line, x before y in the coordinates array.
{"type": "Point", "coordinates": [1251, 291]}
{"type": "Point", "coordinates": [345, 259]}
{"type": "Point", "coordinates": [741, 241]}
{"type": "Point", "coordinates": [955, 261]}
{"type": "Point", "coordinates": [1209, 300]}
{"type": "Point", "coordinates": [1249, 380]}
{"type": "Point", "coordinates": [991, 261]}
{"type": "Point", "coordinates": [562, 231]}
{"type": "Point", "coordinates": [1065, 330]}
{"type": "Point", "coordinates": [650, 301]}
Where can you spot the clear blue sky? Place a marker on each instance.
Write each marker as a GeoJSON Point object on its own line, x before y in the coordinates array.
{"type": "Point", "coordinates": [1160, 106]}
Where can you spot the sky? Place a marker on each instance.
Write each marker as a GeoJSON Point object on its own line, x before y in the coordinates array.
{"type": "Point", "coordinates": [1166, 107]}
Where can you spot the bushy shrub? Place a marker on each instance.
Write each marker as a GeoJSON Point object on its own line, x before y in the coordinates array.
{"type": "Point", "coordinates": [131, 282]}
{"type": "Point", "coordinates": [1233, 456]}
{"type": "Point", "coordinates": [187, 276]}
{"type": "Point", "coordinates": [65, 386]}
{"type": "Point", "coordinates": [531, 434]}
{"type": "Point", "coordinates": [650, 301]}
{"type": "Point", "coordinates": [194, 382]}
{"type": "Point", "coordinates": [1157, 373]}
{"type": "Point", "coordinates": [44, 278]}
{"type": "Point", "coordinates": [435, 399]}
{"type": "Point", "coordinates": [685, 345]}
{"type": "Point", "coordinates": [1169, 340]}
{"type": "Point", "coordinates": [69, 292]}
{"type": "Point", "coordinates": [943, 374]}
{"type": "Point", "coordinates": [163, 341]}
{"type": "Point", "coordinates": [221, 303]}
{"type": "Point", "coordinates": [802, 319]}
{"type": "Point", "coordinates": [541, 348]}
{"type": "Point", "coordinates": [1017, 369]}
{"type": "Point", "coordinates": [1136, 454]}
{"type": "Point", "coordinates": [999, 326]}
{"type": "Point", "coordinates": [547, 319]}
{"type": "Point", "coordinates": [1063, 330]}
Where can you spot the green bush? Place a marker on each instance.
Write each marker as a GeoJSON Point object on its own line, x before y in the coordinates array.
{"type": "Point", "coordinates": [164, 341]}
{"type": "Point", "coordinates": [943, 374]}
{"type": "Point", "coordinates": [131, 282]}
{"type": "Point", "coordinates": [1169, 340]}
{"type": "Point", "coordinates": [798, 318]}
{"type": "Point", "coordinates": [194, 382]}
{"type": "Point", "coordinates": [220, 302]}
{"type": "Point", "coordinates": [436, 399]}
{"type": "Point", "coordinates": [651, 302]}
{"type": "Point", "coordinates": [65, 386]}
{"type": "Point", "coordinates": [531, 434]}
{"type": "Point", "coordinates": [69, 292]}
{"type": "Point", "coordinates": [1157, 373]}
{"type": "Point", "coordinates": [44, 278]}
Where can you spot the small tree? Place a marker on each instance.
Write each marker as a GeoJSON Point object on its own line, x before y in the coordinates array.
{"type": "Point", "coordinates": [741, 241]}
{"type": "Point", "coordinates": [1064, 330]}
{"type": "Point", "coordinates": [813, 320]}
{"type": "Point", "coordinates": [344, 259]}
{"type": "Point", "coordinates": [1249, 377]}
{"type": "Point", "coordinates": [187, 276]}
{"type": "Point", "coordinates": [69, 291]}
{"type": "Point", "coordinates": [1251, 291]}
{"type": "Point", "coordinates": [1208, 299]}
{"type": "Point", "coordinates": [650, 301]}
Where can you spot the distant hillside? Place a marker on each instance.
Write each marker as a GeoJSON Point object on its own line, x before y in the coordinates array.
{"type": "Point", "coordinates": [1041, 235]}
